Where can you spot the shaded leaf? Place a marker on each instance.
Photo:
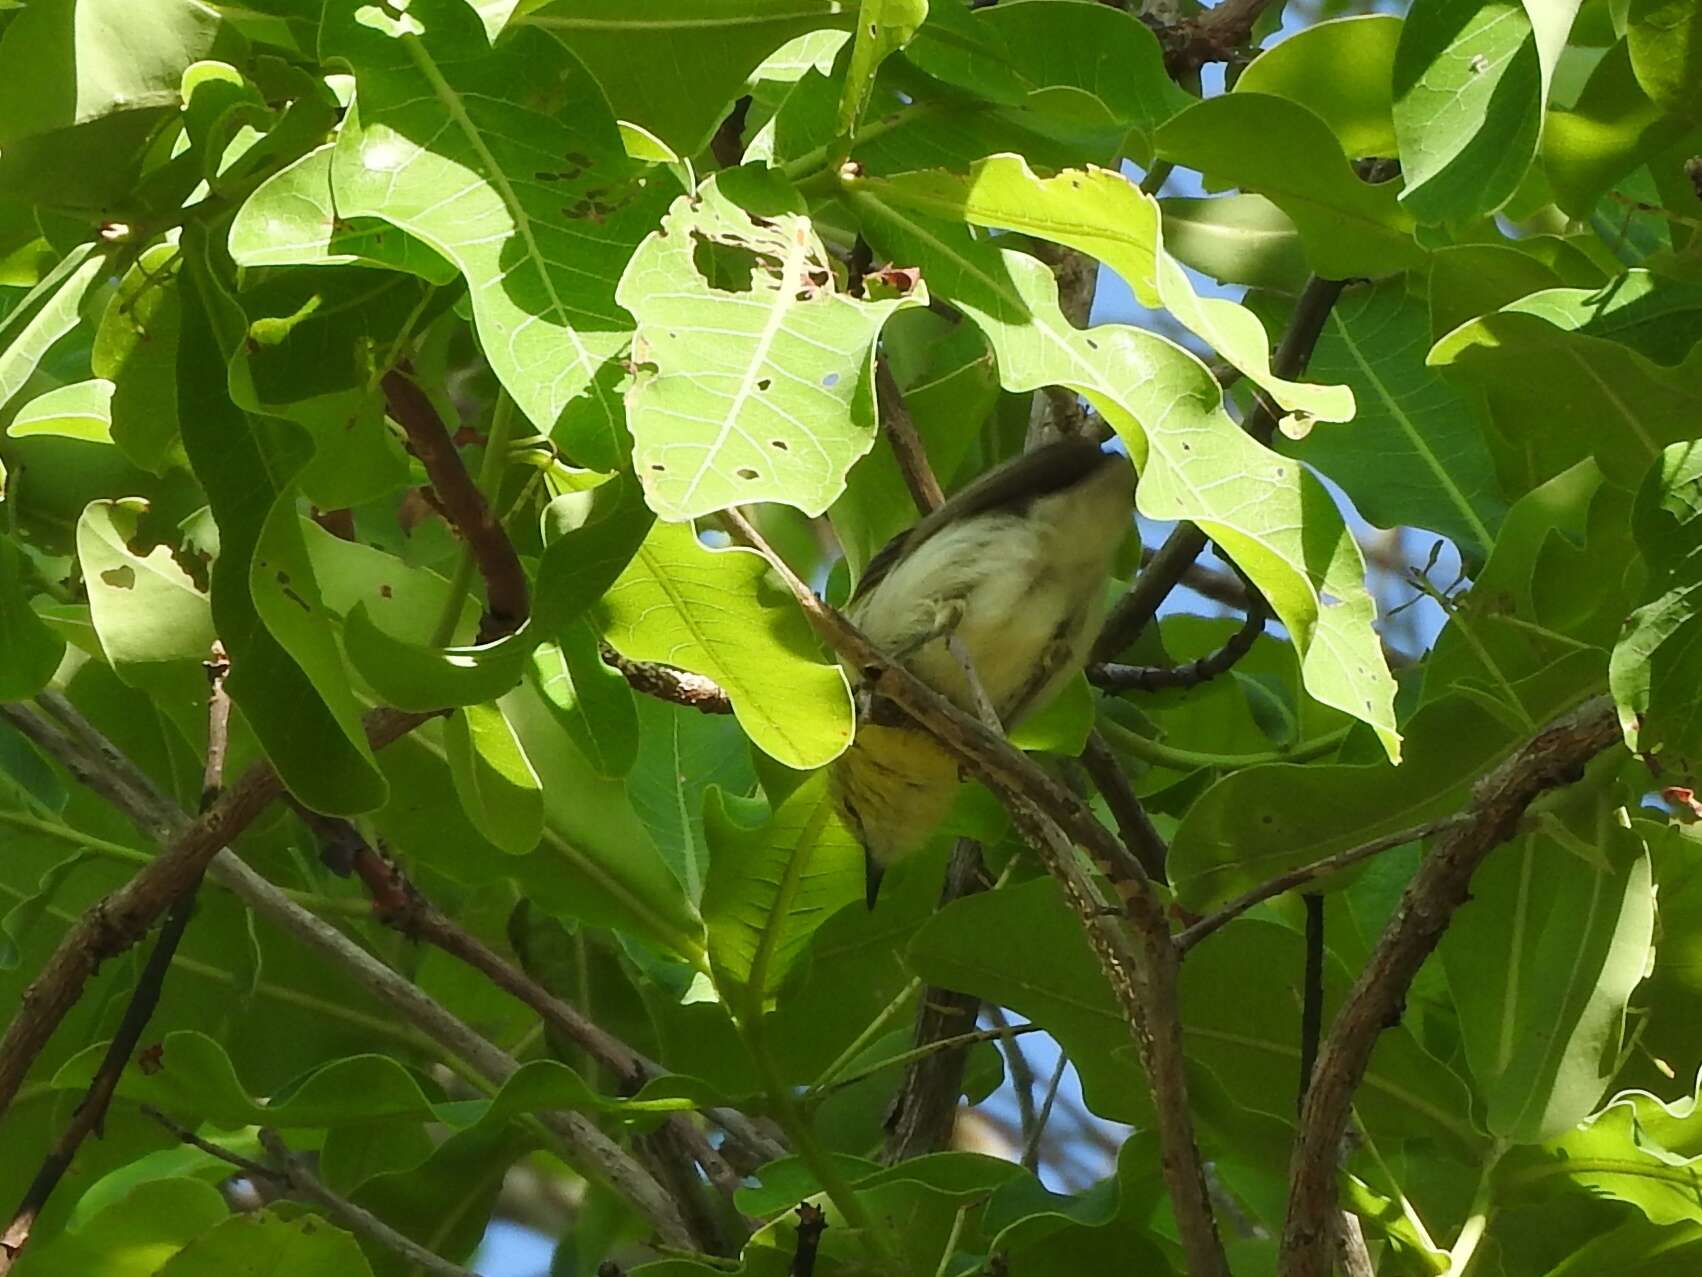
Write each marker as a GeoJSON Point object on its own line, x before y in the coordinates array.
{"type": "Point", "coordinates": [82, 410]}
{"type": "Point", "coordinates": [592, 702]}
{"type": "Point", "coordinates": [146, 609]}
{"type": "Point", "coordinates": [1340, 70]}
{"type": "Point", "coordinates": [494, 778]}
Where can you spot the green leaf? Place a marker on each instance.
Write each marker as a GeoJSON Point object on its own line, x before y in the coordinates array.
{"type": "Point", "coordinates": [412, 677]}
{"type": "Point", "coordinates": [592, 702]}
{"type": "Point", "coordinates": [1282, 151]}
{"type": "Point", "coordinates": [883, 27]}
{"type": "Point", "coordinates": [286, 673]}
{"type": "Point", "coordinates": [1654, 671]}
{"type": "Point", "coordinates": [1415, 455]}
{"type": "Point", "coordinates": [1611, 129]}
{"type": "Point", "coordinates": [710, 47]}
{"type": "Point", "coordinates": [1101, 213]}
{"type": "Point", "coordinates": [50, 310]}
{"type": "Point", "coordinates": [1195, 463]}
{"type": "Point", "coordinates": [135, 1235]}
{"type": "Point", "coordinates": [542, 209]}
{"type": "Point", "coordinates": [1257, 823]}
{"type": "Point", "coordinates": [1236, 239]}
{"type": "Point", "coordinates": [136, 349]}
{"type": "Point", "coordinates": [757, 375]}
{"type": "Point", "coordinates": [29, 651]}
{"type": "Point", "coordinates": [145, 607]}
{"type": "Point", "coordinates": [1562, 357]}
{"type": "Point", "coordinates": [264, 1245]}
{"type": "Point", "coordinates": [713, 613]}
{"type": "Point", "coordinates": [494, 778]}
{"type": "Point", "coordinates": [1341, 71]}
{"type": "Point", "coordinates": [1638, 1150]}
{"type": "Point", "coordinates": [589, 538]}
{"type": "Point", "coordinates": [26, 914]}
{"type": "Point", "coordinates": [82, 410]}
{"type": "Point", "coordinates": [65, 62]}
{"type": "Point", "coordinates": [1666, 52]}
{"type": "Point", "coordinates": [1471, 81]}
{"type": "Point", "coordinates": [771, 886]}
{"type": "Point", "coordinates": [1542, 962]}
{"type": "Point", "coordinates": [1240, 1018]}
{"type": "Point", "coordinates": [290, 220]}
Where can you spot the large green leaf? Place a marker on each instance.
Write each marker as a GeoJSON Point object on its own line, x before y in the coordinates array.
{"type": "Point", "coordinates": [82, 410]}
{"type": "Point", "coordinates": [592, 702]}
{"type": "Point", "coordinates": [770, 887]}
{"type": "Point", "coordinates": [515, 174]}
{"type": "Point", "coordinates": [1541, 963]}
{"type": "Point", "coordinates": [712, 612]}
{"type": "Point", "coordinates": [1282, 151]}
{"type": "Point", "coordinates": [710, 47]}
{"type": "Point", "coordinates": [265, 1245]}
{"type": "Point", "coordinates": [1236, 239]}
{"type": "Point", "coordinates": [1567, 358]}
{"type": "Point", "coordinates": [757, 373]}
{"type": "Point", "coordinates": [1471, 81]}
{"type": "Point", "coordinates": [1101, 213]}
{"type": "Point", "coordinates": [1604, 135]}
{"type": "Point", "coordinates": [136, 1234]}
{"type": "Point", "coordinates": [50, 310]}
{"type": "Point", "coordinates": [496, 782]}
{"type": "Point", "coordinates": [1415, 455]}
{"type": "Point", "coordinates": [1666, 51]}
{"type": "Point", "coordinates": [1269, 514]}
{"type": "Point", "coordinates": [145, 607]}
{"type": "Point", "coordinates": [882, 28]}
{"type": "Point", "coordinates": [1341, 71]}
{"type": "Point", "coordinates": [136, 350]}
{"type": "Point", "coordinates": [286, 672]}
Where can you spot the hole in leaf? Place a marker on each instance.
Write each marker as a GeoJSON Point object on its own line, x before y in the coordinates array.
{"type": "Point", "coordinates": [778, 443]}
{"type": "Point", "coordinates": [765, 383]}
{"type": "Point", "coordinates": [658, 467]}
{"type": "Point", "coordinates": [120, 578]}
{"type": "Point", "coordinates": [831, 380]}
{"type": "Point", "coordinates": [745, 472]}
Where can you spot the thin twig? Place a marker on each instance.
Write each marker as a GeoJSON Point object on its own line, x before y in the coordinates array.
{"type": "Point", "coordinates": [906, 444]}
{"type": "Point", "coordinates": [1139, 961]}
{"type": "Point", "coordinates": [1158, 678]}
{"type": "Point", "coordinates": [1311, 995]}
{"type": "Point", "coordinates": [1018, 1069]}
{"type": "Point", "coordinates": [1306, 873]}
{"type": "Point", "coordinates": [1139, 834]}
{"type": "Point", "coordinates": [1032, 1138]}
{"type": "Point", "coordinates": [1555, 756]}
{"type": "Point", "coordinates": [507, 601]}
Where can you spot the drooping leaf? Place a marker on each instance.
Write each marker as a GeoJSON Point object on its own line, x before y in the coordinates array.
{"type": "Point", "coordinates": [1340, 70]}
{"type": "Point", "coordinates": [145, 607]}
{"type": "Point", "coordinates": [264, 1245]}
{"type": "Point", "coordinates": [757, 371]}
{"type": "Point", "coordinates": [882, 28]}
{"type": "Point", "coordinates": [409, 676]}
{"type": "Point", "coordinates": [592, 702]}
{"type": "Point", "coordinates": [771, 886]}
{"type": "Point", "coordinates": [1236, 239]}
{"type": "Point", "coordinates": [1102, 213]}
{"type": "Point", "coordinates": [1471, 81]}
{"type": "Point", "coordinates": [1541, 964]}
{"type": "Point", "coordinates": [82, 410]}
{"type": "Point", "coordinates": [136, 350]}
{"type": "Point", "coordinates": [50, 310]}
{"type": "Point", "coordinates": [493, 776]}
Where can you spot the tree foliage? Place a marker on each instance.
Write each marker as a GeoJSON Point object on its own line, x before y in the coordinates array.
{"type": "Point", "coordinates": [393, 376]}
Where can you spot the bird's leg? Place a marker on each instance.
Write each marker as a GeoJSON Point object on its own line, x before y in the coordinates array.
{"type": "Point", "coordinates": [948, 615]}
{"type": "Point", "coordinates": [1058, 654]}
{"type": "Point", "coordinates": [983, 706]}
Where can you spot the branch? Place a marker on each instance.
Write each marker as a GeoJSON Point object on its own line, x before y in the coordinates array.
{"type": "Point", "coordinates": [1218, 34]}
{"type": "Point", "coordinates": [400, 905]}
{"type": "Point", "coordinates": [1142, 969]}
{"type": "Point", "coordinates": [507, 601]}
{"type": "Point", "coordinates": [1176, 556]}
{"type": "Point", "coordinates": [812, 1223]}
{"type": "Point", "coordinates": [665, 683]}
{"type": "Point", "coordinates": [129, 789]}
{"type": "Point", "coordinates": [906, 443]}
{"type": "Point", "coordinates": [1139, 834]}
{"type": "Point", "coordinates": [1317, 869]}
{"type": "Point", "coordinates": [117, 921]}
{"type": "Point", "coordinates": [1555, 756]}
{"type": "Point", "coordinates": [1158, 678]}
{"type": "Point", "coordinates": [290, 1175]}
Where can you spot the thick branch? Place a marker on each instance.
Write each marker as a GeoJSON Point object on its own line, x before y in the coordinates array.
{"type": "Point", "coordinates": [1140, 835]}
{"type": "Point", "coordinates": [1556, 756]}
{"type": "Point", "coordinates": [506, 598]}
{"type": "Point", "coordinates": [906, 443]}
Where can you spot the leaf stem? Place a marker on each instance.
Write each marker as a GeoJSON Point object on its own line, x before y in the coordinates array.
{"type": "Point", "coordinates": [1161, 755]}
{"type": "Point", "coordinates": [871, 1031]}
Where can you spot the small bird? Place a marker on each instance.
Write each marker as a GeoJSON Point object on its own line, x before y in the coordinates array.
{"type": "Point", "coordinates": [992, 600]}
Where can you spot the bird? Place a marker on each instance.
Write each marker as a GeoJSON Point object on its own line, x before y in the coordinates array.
{"type": "Point", "coordinates": [992, 600]}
